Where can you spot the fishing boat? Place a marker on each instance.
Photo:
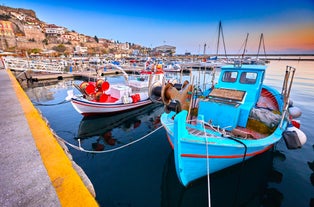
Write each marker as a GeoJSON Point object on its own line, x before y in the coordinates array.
{"type": "Point", "coordinates": [236, 119]}
{"type": "Point", "coordinates": [172, 66]}
{"type": "Point", "coordinates": [101, 97]}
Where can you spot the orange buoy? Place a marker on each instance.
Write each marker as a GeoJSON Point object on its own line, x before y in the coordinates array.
{"type": "Point", "coordinates": [99, 83]}
{"type": "Point", "coordinates": [98, 96]}
{"type": "Point", "coordinates": [83, 86]}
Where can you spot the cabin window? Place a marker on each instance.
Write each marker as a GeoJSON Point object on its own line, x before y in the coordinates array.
{"type": "Point", "coordinates": [230, 76]}
{"type": "Point", "coordinates": [248, 78]}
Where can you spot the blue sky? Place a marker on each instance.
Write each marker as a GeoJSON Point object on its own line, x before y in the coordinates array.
{"type": "Point", "coordinates": [287, 25]}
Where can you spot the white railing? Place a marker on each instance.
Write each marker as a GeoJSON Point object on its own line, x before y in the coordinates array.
{"type": "Point", "coordinates": [44, 65]}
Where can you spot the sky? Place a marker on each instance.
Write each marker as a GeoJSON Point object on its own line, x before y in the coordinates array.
{"type": "Point", "coordinates": [189, 25]}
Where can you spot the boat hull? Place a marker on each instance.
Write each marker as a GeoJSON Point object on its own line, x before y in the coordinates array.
{"type": "Point", "coordinates": [197, 156]}
{"type": "Point", "coordinates": [88, 108]}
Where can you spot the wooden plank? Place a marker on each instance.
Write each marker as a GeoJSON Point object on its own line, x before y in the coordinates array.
{"type": "Point", "coordinates": [227, 94]}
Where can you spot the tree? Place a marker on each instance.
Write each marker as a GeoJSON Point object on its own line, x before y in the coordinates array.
{"type": "Point", "coordinates": [96, 39]}
{"type": "Point", "coordinates": [34, 50]}
{"type": "Point", "coordinates": [45, 41]}
{"type": "Point", "coordinates": [59, 48]}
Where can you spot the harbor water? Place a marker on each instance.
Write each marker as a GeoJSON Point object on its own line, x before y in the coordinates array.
{"type": "Point", "coordinates": [130, 171]}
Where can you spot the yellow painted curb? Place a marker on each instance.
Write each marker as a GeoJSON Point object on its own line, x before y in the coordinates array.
{"type": "Point", "coordinates": [67, 183]}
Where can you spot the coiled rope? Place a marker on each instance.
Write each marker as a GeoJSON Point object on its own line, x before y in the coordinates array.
{"type": "Point", "coordinates": [80, 148]}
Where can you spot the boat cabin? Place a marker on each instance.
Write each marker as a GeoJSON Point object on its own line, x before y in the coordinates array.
{"type": "Point", "coordinates": [229, 103]}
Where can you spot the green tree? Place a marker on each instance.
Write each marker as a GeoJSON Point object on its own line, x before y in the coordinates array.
{"type": "Point", "coordinates": [60, 48]}
{"type": "Point", "coordinates": [45, 41]}
{"type": "Point", "coordinates": [96, 39]}
{"type": "Point", "coordinates": [34, 50]}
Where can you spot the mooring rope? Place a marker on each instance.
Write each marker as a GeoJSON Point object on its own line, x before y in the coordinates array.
{"type": "Point", "coordinates": [52, 104]}
{"type": "Point", "coordinates": [207, 163]}
{"type": "Point", "coordinates": [80, 148]}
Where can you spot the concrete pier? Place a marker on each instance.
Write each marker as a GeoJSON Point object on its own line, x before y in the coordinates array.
{"type": "Point", "coordinates": [35, 170]}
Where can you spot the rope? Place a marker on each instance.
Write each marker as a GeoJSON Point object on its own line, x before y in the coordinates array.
{"type": "Point", "coordinates": [53, 104]}
{"type": "Point", "coordinates": [80, 148]}
{"type": "Point", "coordinates": [207, 158]}
{"type": "Point", "coordinates": [207, 165]}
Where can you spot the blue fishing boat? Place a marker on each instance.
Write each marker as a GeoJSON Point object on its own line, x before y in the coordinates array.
{"type": "Point", "coordinates": [237, 118]}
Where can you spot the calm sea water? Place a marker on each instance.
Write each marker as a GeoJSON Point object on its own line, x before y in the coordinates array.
{"type": "Point", "coordinates": [143, 174]}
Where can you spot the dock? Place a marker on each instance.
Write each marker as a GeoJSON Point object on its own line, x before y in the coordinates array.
{"type": "Point", "coordinates": [35, 169]}
{"type": "Point", "coordinates": [36, 76]}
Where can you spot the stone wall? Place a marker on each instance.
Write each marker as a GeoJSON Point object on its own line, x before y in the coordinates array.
{"type": "Point", "coordinates": [7, 42]}
{"type": "Point", "coordinates": [34, 32]}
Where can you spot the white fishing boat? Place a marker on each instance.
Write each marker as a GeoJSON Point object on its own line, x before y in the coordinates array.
{"type": "Point", "coordinates": [101, 97]}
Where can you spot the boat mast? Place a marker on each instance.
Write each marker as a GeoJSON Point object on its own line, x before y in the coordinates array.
{"type": "Point", "coordinates": [245, 43]}
{"type": "Point", "coordinates": [261, 41]}
{"type": "Point", "coordinates": [223, 40]}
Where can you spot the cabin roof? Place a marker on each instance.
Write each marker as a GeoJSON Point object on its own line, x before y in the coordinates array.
{"type": "Point", "coordinates": [244, 67]}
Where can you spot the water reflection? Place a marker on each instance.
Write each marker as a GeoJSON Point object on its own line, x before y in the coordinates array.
{"type": "Point", "coordinates": [109, 131]}
{"type": "Point", "coordinates": [311, 166]}
{"type": "Point", "coordinates": [45, 91]}
{"type": "Point", "coordinates": [240, 185]}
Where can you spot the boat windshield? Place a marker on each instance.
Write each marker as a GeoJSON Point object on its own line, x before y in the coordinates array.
{"type": "Point", "coordinates": [248, 77]}
{"type": "Point", "coordinates": [230, 76]}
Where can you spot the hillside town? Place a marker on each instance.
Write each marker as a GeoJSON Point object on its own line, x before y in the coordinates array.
{"type": "Point", "coordinates": [22, 33]}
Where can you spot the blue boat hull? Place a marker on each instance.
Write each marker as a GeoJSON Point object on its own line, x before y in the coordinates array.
{"type": "Point", "coordinates": [196, 156]}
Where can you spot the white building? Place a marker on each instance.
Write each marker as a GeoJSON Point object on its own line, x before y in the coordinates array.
{"type": "Point", "coordinates": [165, 50]}
{"type": "Point", "coordinates": [80, 50]}
{"type": "Point", "coordinates": [54, 30]}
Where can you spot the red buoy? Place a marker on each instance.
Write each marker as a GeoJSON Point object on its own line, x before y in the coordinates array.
{"type": "Point", "coordinates": [90, 88]}
{"type": "Point", "coordinates": [105, 86]}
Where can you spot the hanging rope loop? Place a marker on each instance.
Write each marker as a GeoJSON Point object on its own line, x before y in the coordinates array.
{"type": "Point", "coordinates": [80, 148]}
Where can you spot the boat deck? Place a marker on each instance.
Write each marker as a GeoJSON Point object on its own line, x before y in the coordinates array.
{"type": "Point", "coordinates": [239, 132]}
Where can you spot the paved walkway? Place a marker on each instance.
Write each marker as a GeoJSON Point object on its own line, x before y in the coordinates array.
{"type": "Point", "coordinates": [29, 176]}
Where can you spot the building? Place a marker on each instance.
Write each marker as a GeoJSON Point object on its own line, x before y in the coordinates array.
{"type": "Point", "coordinates": [53, 30]}
{"type": "Point", "coordinates": [80, 50]}
{"type": "Point", "coordinates": [6, 29]}
{"type": "Point", "coordinates": [165, 50]}
{"type": "Point", "coordinates": [73, 36]}
{"type": "Point", "coordinates": [33, 31]}
{"type": "Point", "coordinates": [19, 16]}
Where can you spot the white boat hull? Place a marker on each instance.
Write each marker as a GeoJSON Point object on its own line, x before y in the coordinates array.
{"type": "Point", "coordinates": [87, 108]}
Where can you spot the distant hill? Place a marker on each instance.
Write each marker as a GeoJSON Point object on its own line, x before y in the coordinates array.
{"type": "Point", "coordinates": [21, 31]}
